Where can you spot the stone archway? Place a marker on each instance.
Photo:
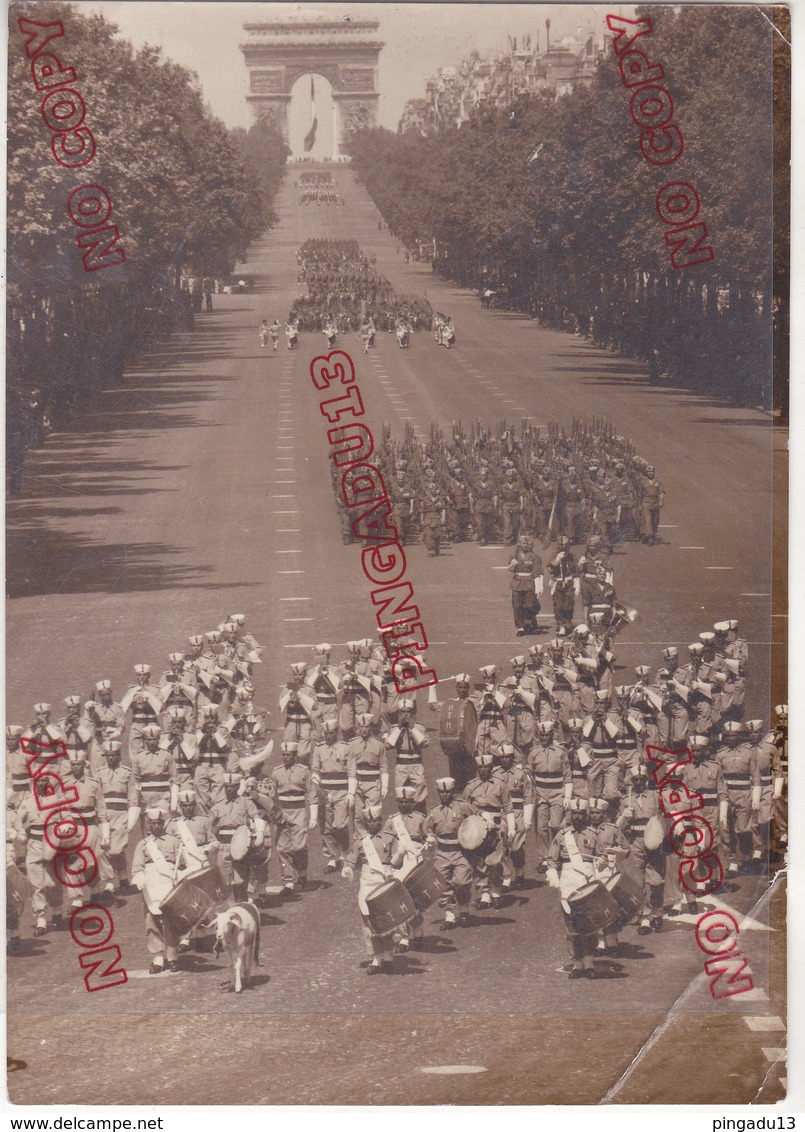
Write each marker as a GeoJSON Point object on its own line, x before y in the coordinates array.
{"type": "Point", "coordinates": [278, 52]}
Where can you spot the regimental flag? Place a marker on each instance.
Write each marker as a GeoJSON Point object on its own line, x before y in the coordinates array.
{"type": "Point", "coordinates": [310, 137]}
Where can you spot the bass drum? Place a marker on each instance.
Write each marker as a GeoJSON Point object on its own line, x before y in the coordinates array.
{"type": "Point", "coordinates": [458, 728]}
{"type": "Point", "coordinates": [189, 901]}
{"type": "Point", "coordinates": [592, 909]}
{"type": "Point", "coordinates": [389, 906]}
{"type": "Point", "coordinates": [425, 884]}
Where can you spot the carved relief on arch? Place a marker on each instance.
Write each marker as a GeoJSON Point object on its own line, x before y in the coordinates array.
{"type": "Point", "coordinates": [330, 72]}
{"type": "Point", "coordinates": [357, 117]}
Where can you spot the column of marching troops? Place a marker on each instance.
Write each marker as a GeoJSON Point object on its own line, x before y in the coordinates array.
{"type": "Point", "coordinates": [559, 748]}
{"type": "Point", "coordinates": [496, 486]}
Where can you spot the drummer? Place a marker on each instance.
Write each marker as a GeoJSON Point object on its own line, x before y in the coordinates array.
{"type": "Point", "coordinates": [570, 868]}
{"type": "Point", "coordinates": [376, 852]}
{"type": "Point", "coordinates": [227, 816]}
{"type": "Point", "coordinates": [521, 790]}
{"type": "Point", "coordinates": [442, 826]}
{"type": "Point", "coordinates": [490, 797]}
{"type": "Point", "coordinates": [409, 827]}
{"type": "Point", "coordinates": [157, 852]}
{"type": "Point", "coordinates": [408, 740]}
{"type": "Point", "coordinates": [611, 848]}
{"type": "Point", "coordinates": [194, 831]}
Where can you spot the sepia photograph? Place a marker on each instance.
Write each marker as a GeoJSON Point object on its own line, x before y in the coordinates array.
{"type": "Point", "coordinates": [396, 554]}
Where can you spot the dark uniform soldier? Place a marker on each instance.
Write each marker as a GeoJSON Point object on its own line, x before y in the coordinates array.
{"type": "Point", "coordinates": [433, 516]}
{"type": "Point", "coordinates": [564, 587]}
{"type": "Point", "coordinates": [652, 496]}
{"type": "Point", "coordinates": [484, 506]}
{"type": "Point", "coordinates": [611, 851]}
{"type": "Point", "coordinates": [511, 505]}
{"type": "Point", "coordinates": [526, 586]}
{"type": "Point", "coordinates": [451, 860]}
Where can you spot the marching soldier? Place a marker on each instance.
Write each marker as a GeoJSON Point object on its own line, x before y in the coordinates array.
{"type": "Point", "coordinates": [299, 705]}
{"type": "Point", "coordinates": [408, 740]}
{"type": "Point", "coordinates": [564, 587]}
{"type": "Point", "coordinates": [611, 848]}
{"type": "Point", "coordinates": [484, 505]}
{"type": "Point", "coordinates": [145, 703]}
{"type": "Point", "coordinates": [701, 776]}
{"type": "Point", "coordinates": [367, 769]}
{"type": "Point", "coordinates": [324, 682]}
{"type": "Point", "coordinates": [330, 777]}
{"type": "Point", "coordinates": [119, 788]}
{"type": "Point", "coordinates": [377, 854]}
{"type": "Point", "coordinates": [234, 811]}
{"type": "Point", "coordinates": [176, 690]}
{"type": "Point", "coordinates": [521, 791]}
{"type": "Point", "coordinates": [580, 759]}
{"type": "Point", "coordinates": [180, 744]}
{"type": "Point", "coordinates": [295, 794]}
{"type": "Point", "coordinates": [157, 852]}
{"type": "Point", "coordinates": [410, 828]}
{"type": "Point", "coordinates": [490, 798]}
{"type": "Point", "coordinates": [105, 716]}
{"type": "Point", "coordinates": [779, 739]}
{"type": "Point", "coordinates": [214, 749]}
{"type": "Point", "coordinates": [549, 769]}
{"type": "Point", "coordinates": [739, 766]}
{"type": "Point", "coordinates": [489, 704]}
{"type": "Point", "coordinates": [91, 805]}
{"type": "Point", "coordinates": [526, 585]}
{"type": "Point", "coordinates": [638, 807]}
{"type": "Point", "coordinates": [600, 732]}
{"type": "Point", "coordinates": [154, 772]}
{"type": "Point", "coordinates": [570, 867]}
{"type": "Point", "coordinates": [17, 778]}
{"type": "Point", "coordinates": [76, 732]}
{"type": "Point", "coordinates": [47, 892]}
{"type": "Point", "coordinates": [451, 860]}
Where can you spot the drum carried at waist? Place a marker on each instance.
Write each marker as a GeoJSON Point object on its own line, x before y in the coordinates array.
{"type": "Point", "coordinates": [389, 906]}
{"type": "Point", "coordinates": [156, 887]}
{"type": "Point", "coordinates": [17, 891]}
{"type": "Point", "coordinates": [592, 908]}
{"type": "Point", "coordinates": [480, 834]}
{"type": "Point", "coordinates": [628, 892]}
{"type": "Point", "coordinates": [244, 849]}
{"type": "Point", "coordinates": [458, 727]}
{"type": "Point", "coordinates": [189, 901]}
{"type": "Point", "coordinates": [425, 884]}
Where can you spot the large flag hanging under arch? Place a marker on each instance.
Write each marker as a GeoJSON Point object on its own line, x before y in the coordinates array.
{"type": "Point", "coordinates": [310, 137]}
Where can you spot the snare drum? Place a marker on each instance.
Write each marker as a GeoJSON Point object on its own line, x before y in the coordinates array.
{"type": "Point", "coordinates": [156, 888]}
{"type": "Point", "coordinates": [592, 909]}
{"type": "Point", "coordinates": [425, 884]}
{"type": "Point", "coordinates": [389, 905]}
{"type": "Point", "coordinates": [458, 727]}
{"type": "Point", "coordinates": [189, 901]}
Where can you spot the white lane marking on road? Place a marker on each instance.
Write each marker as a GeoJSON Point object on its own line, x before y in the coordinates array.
{"type": "Point", "coordinates": [287, 551]}
{"type": "Point", "coordinates": [291, 446]}
{"type": "Point", "coordinates": [761, 595]}
{"type": "Point", "coordinates": [667, 526]}
{"type": "Point", "coordinates": [289, 496]}
{"type": "Point", "coordinates": [290, 571]}
{"type": "Point", "coordinates": [691, 548]}
{"type": "Point", "coordinates": [719, 567]}
{"type": "Point", "coordinates": [773, 1054]}
{"type": "Point", "coordinates": [292, 511]}
{"type": "Point", "coordinates": [287, 530]}
{"type": "Point", "coordinates": [294, 599]}
{"type": "Point", "coordinates": [299, 619]}
{"type": "Point", "coordinates": [294, 481]}
{"type": "Point", "coordinates": [764, 1022]}
{"type": "Point", "coordinates": [448, 1070]}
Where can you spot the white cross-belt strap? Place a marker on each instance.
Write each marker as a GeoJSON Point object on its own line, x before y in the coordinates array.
{"type": "Point", "coordinates": [372, 858]}
{"type": "Point", "coordinates": [576, 859]}
{"type": "Point", "coordinates": [189, 841]}
{"type": "Point", "coordinates": [158, 857]}
{"type": "Point", "coordinates": [403, 835]}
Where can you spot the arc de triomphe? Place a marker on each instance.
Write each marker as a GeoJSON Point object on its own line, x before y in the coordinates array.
{"type": "Point", "coordinates": [278, 51]}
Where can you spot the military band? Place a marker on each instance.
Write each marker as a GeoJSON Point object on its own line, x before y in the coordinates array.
{"type": "Point", "coordinates": [175, 781]}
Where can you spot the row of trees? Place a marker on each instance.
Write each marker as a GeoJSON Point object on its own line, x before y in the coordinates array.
{"type": "Point", "coordinates": [188, 196]}
{"type": "Point", "coordinates": [549, 202]}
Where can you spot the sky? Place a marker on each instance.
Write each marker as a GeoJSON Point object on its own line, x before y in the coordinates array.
{"type": "Point", "coordinates": [419, 39]}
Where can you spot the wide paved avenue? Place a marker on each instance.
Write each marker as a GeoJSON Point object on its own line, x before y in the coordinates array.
{"type": "Point", "coordinates": [202, 487]}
